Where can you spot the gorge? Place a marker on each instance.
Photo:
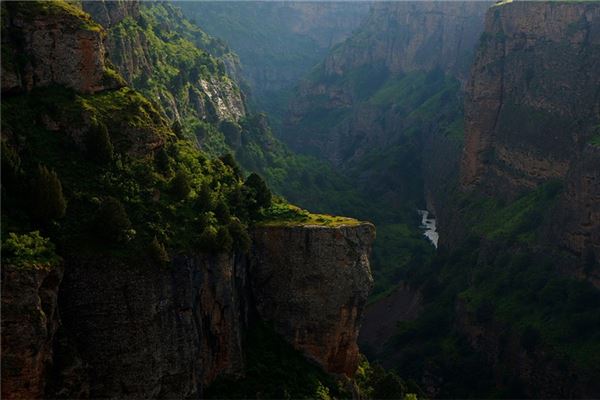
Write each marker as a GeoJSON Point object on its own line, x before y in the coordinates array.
{"type": "Point", "coordinates": [158, 158]}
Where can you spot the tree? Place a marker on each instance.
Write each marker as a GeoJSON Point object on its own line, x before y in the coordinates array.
{"type": "Point", "coordinates": [222, 212]}
{"type": "Point", "coordinates": [161, 159]}
{"type": "Point", "coordinates": [112, 222]}
{"type": "Point", "coordinates": [180, 185]}
{"type": "Point", "coordinates": [239, 234]}
{"type": "Point", "coordinates": [228, 160]}
{"type": "Point", "coordinates": [99, 146]}
{"type": "Point", "coordinates": [224, 240]}
{"type": "Point", "coordinates": [259, 195]}
{"type": "Point", "coordinates": [204, 201]}
{"type": "Point", "coordinates": [47, 198]}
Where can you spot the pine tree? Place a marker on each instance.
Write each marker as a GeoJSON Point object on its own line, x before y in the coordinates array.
{"type": "Point", "coordinates": [180, 185]}
{"type": "Point", "coordinates": [47, 198]}
{"type": "Point", "coordinates": [162, 161]}
{"type": "Point", "coordinates": [112, 222]}
{"type": "Point", "coordinates": [99, 146]}
{"type": "Point", "coordinates": [259, 195]}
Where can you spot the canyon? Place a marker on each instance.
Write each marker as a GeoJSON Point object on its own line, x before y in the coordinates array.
{"type": "Point", "coordinates": [484, 114]}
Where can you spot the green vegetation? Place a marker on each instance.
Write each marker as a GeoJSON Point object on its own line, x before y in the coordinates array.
{"type": "Point", "coordinates": [501, 279]}
{"type": "Point", "coordinates": [28, 250]}
{"type": "Point", "coordinates": [281, 213]}
{"type": "Point", "coordinates": [47, 200]}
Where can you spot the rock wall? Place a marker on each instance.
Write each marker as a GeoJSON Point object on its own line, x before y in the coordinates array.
{"type": "Point", "coordinates": [137, 56]}
{"type": "Point", "coordinates": [150, 332]}
{"type": "Point", "coordinates": [408, 36]}
{"type": "Point", "coordinates": [532, 107]}
{"type": "Point", "coordinates": [63, 47]}
{"type": "Point", "coordinates": [312, 283]}
{"type": "Point", "coordinates": [29, 322]}
{"type": "Point", "coordinates": [532, 101]}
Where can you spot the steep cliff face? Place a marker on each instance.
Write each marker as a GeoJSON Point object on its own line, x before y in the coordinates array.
{"type": "Point", "coordinates": [29, 322]}
{"type": "Point", "coordinates": [532, 101]}
{"type": "Point", "coordinates": [408, 36]}
{"type": "Point", "coordinates": [312, 283]}
{"type": "Point", "coordinates": [150, 44]}
{"type": "Point", "coordinates": [63, 47]}
{"type": "Point", "coordinates": [368, 91]}
{"type": "Point", "coordinates": [151, 332]}
{"type": "Point", "coordinates": [532, 108]}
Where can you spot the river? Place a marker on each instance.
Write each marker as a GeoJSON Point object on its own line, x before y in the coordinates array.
{"type": "Point", "coordinates": [428, 225]}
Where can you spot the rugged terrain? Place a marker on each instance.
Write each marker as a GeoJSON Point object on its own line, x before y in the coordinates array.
{"type": "Point", "coordinates": [155, 239]}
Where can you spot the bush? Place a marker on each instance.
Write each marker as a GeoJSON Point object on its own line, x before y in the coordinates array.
{"type": "Point", "coordinates": [47, 199]}
{"type": "Point", "coordinates": [112, 222]}
{"type": "Point", "coordinates": [204, 201]}
{"type": "Point", "coordinates": [222, 212]}
{"type": "Point", "coordinates": [232, 133]}
{"type": "Point", "coordinates": [99, 146]}
{"type": "Point", "coordinates": [223, 240]}
{"type": "Point", "coordinates": [11, 165]}
{"type": "Point", "coordinates": [29, 249]}
{"type": "Point", "coordinates": [180, 185]}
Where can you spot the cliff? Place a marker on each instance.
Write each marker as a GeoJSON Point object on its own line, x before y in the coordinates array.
{"type": "Point", "coordinates": [408, 36]}
{"type": "Point", "coordinates": [529, 118]}
{"type": "Point", "coordinates": [157, 295]}
{"type": "Point", "coordinates": [312, 283]}
{"type": "Point", "coordinates": [63, 47]}
{"type": "Point", "coordinates": [167, 58]}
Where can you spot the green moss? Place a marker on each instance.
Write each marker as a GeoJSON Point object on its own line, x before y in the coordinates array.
{"type": "Point", "coordinates": [282, 213]}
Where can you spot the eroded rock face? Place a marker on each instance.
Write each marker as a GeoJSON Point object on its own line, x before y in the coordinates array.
{"type": "Point", "coordinates": [408, 36]}
{"type": "Point", "coordinates": [111, 12]}
{"type": "Point", "coordinates": [312, 283]}
{"type": "Point", "coordinates": [531, 102]}
{"type": "Point", "coordinates": [149, 332]}
{"type": "Point", "coordinates": [62, 49]}
{"type": "Point", "coordinates": [210, 98]}
{"type": "Point", "coordinates": [29, 323]}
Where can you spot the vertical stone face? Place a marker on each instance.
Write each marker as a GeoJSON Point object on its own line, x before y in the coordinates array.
{"type": "Point", "coordinates": [29, 322]}
{"type": "Point", "coordinates": [147, 332]}
{"type": "Point", "coordinates": [312, 283]}
{"type": "Point", "coordinates": [61, 48]}
{"type": "Point", "coordinates": [531, 101]}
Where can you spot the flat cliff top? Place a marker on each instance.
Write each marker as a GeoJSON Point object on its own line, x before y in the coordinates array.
{"type": "Point", "coordinates": [288, 215]}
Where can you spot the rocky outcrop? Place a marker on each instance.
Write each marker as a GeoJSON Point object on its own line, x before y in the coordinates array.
{"type": "Point", "coordinates": [63, 47]}
{"type": "Point", "coordinates": [147, 59]}
{"type": "Point", "coordinates": [527, 113]}
{"type": "Point", "coordinates": [408, 36]}
{"type": "Point", "coordinates": [110, 12]}
{"type": "Point", "coordinates": [312, 283]}
{"type": "Point", "coordinates": [29, 322]}
{"type": "Point", "coordinates": [529, 118]}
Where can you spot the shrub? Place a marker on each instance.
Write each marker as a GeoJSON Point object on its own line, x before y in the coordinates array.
{"type": "Point", "coordinates": [224, 242]}
{"type": "Point", "coordinates": [11, 165]}
{"type": "Point", "coordinates": [112, 222]}
{"type": "Point", "coordinates": [180, 185]}
{"type": "Point", "coordinates": [232, 133]}
{"type": "Point", "coordinates": [47, 199]}
{"type": "Point", "coordinates": [222, 212]}
{"type": "Point", "coordinates": [29, 249]}
{"type": "Point", "coordinates": [99, 146]}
